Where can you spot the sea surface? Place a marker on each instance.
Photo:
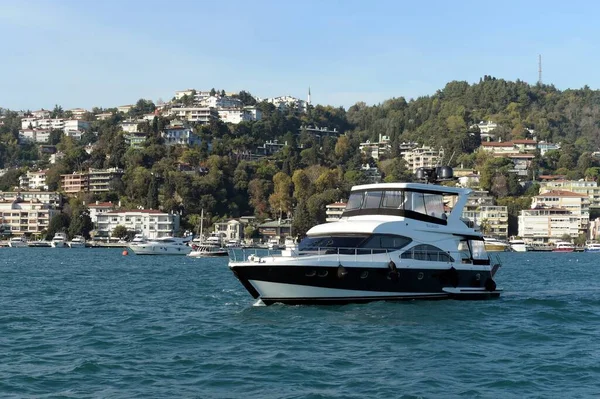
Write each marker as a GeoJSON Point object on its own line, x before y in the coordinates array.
{"type": "Point", "coordinates": [91, 323]}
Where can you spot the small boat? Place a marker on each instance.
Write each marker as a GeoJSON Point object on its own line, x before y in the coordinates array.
{"type": "Point", "coordinates": [233, 244]}
{"type": "Point", "coordinates": [77, 242]}
{"type": "Point", "coordinates": [520, 246]}
{"type": "Point", "coordinates": [541, 247]}
{"type": "Point", "coordinates": [162, 246]}
{"type": "Point", "coordinates": [17, 242]}
{"type": "Point", "coordinates": [39, 243]}
{"type": "Point", "coordinates": [592, 247]}
{"type": "Point", "coordinates": [563, 246]}
{"type": "Point", "coordinates": [207, 251]}
{"type": "Point", "coordinates": [495, 245]}
{"type": "Point", "coordinates": [59, 240]}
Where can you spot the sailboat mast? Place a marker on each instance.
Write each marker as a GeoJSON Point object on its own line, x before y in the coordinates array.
{"type": "Point", "coordinates": [201, 225]}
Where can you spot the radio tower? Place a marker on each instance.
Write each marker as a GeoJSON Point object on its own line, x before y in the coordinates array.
{"type": "Point", "coordinates": [540, 69]}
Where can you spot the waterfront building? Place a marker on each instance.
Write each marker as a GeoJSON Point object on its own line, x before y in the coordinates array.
{"type": "Point", "coordinates": [26, 217]}
{"type": "Point", "coordinates": [230, 230]}
{"type": "Point", "coordinates": [275, 229]}
{"type": "Point", "coordinates": [149, 222]}
{"type": "Point", "coordinates": [481, 210]}
{"type": "Point", "coordinates": [98, 208]}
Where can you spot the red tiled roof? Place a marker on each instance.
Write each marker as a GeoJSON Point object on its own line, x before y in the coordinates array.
{"type": "Point", "coordinates": [552, 177]}
{"type": "Point", "coordinates": [337, 204]}
{"type": "Point", "coordinates": [102, 205]}
{"type": "Point", "coordinates": [153, 211]}
{"type": "Point", "coordinates": [521, 156]}
{"type": "Point", "coordinates": [561, 193]}
{"type": "Point", "coordinates": [497, 144]}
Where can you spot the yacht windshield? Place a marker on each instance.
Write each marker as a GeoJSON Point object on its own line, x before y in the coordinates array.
{"type": "Point", "coordinates": [374, 241]}
{"type": "Point", "coordinates": [355, 201]}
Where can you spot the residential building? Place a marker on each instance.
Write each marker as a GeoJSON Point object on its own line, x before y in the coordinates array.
{"type": "Point", "coordinates": [221, 102]}
{"type": "Point", "coordinates": [34, 180]}
{"type": "Point", "coordinates": [230, 230]}
{"type": "Point", "coordinates": [549, 224]}
{"type": "Point", "coordinates": [481, 210]}
{"type": "Point", "coordinates": [278, 229]}
{"type": "Point", "coordinates": [98, 208]}
{"type": "Point", "coordinates": [26, 217]}
{"type": "Point", "coordinates": [521, 163]}
{"type": "Point", "coordinates": [66, 125]}
{"type": "Point", "coordinates": [104, 116]}
{"type": "Point", "coordinates": [422, 157]}
{"type": "Point", "coordinates": [270, 147]}
{"type": "Point", "coordinates": [525, 145]}
{"type": "Point", "coordinates": [553, 214]}
{"type": "Point", "coordinates": [324, 131]}
{"type": "Point", "coordinates": [51, 198]}
{"type": "Point", "coordinates": [194, 114]}
{"type": "Point", "coordinates": [34, 135]}
{"type": "Point", "coordinates": [583, 187]}
{"type": "Point", "coordinates": [544, 147]}
{"type": "Point", "coordinates": [334, 211]}
{"type": "Point", "coordinates": [151, 223]}
{"type": "Point", "coordinates": [78, 113]}
{"type": "Point", "coordinates": [179, 94]}
{"type": "Point", "coordinates": [74, 183]}
{"type": "Point", "coordinates": [178, 133]}
{"type": "Point", "coordinates": [129, 126]}
{"type": "Point", "coordinates": [498, 147]}
{"type": "Point", "coordinates": [237, 115]}
{"type": "Point", "coordinates": [124, 108]}
{"type": "Point", "coordinates": [101, 180]}
{"type": "Point", "coordinates": [284, 103]}
{"type": "Point", "coordinates": [378, 149]}
{"type": "Point", "coordinates": [135, 140]}
{"type": "Point", "coordinates": [486, 127]}
{"type": "Point", "coordinates": [40, 114]}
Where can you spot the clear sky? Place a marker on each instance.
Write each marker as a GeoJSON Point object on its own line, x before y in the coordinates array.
{"type": "Point", "coordinates": [107, 53]}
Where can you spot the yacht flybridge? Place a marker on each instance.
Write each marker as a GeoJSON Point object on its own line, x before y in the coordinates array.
{"type": "Point", "coordinates": [394, 242]}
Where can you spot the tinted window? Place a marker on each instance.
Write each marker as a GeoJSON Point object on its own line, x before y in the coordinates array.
{"type": "Point", "coordinates": [375, 241]}
{"type": "Point", "coordinates": [414, 202]}
{"type": "Point", "coordinates": [387, 241]}
{"type": "Point", "coordinates": [434, 205]}
{"type": "Point", "coordinates": [427, 252]}
{"type": "Point", "coordinates": [372, 199]}
{"type": "Point", "coordinates": [392, 199]}
{"type": "Point", "coordinates": [355, 201]}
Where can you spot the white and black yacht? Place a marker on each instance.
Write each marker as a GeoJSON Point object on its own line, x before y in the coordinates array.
{"type": "Point", "coordinates": [394, 242]}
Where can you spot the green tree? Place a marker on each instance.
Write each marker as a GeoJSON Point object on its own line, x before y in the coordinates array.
{"type": "Point", "coordinates": [59, 223]}
{"type": "Point", "coordinates": [119, 231]}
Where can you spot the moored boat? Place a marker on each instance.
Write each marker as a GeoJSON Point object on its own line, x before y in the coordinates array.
{"type": "Point", "coordinates": [17, 242]}
{"type": "Point", "coordinates": [59, 240]}
{"type": "Point", "coordinates": [393, 242]}
{"type": "Point", "coordinates": [162, 246]}
{"type": "Point", "coordinates": [563, 246]}
{"type": "Point", "coordinates": [77, 242]}
{"type": "Point", "coordinates": [207, 251]}
{"type": "Point", "coordinates": [517, 245]}
{"type": "Point", "coordinates": [495, 245]}
{"type": "Point", "coordinates": [592, 247]}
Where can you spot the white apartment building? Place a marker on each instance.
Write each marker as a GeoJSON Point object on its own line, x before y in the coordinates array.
{"type": "Point", "coordinates": [151, 223]}
{"type": "Point", "coordinates": [180, 135]}
{"type": "Point", "coordinates": [26, 217]}
{"type": "Point", "coordinates": [124, 108]}
{"type": "Point", "coordinates": [98, 208]}
{"type": "Point", "coordinates": [34, 135]}
{"type": "Point", "coordinates": [129, 126]}
{"type": "Point", "coordinates": [553, 214]}
{"type": "Point", "coordinates": [587, 188]}
{"type": "Point", "coordinates": [51, 198]}
{"type": "Point", "coordinates": [78, 113]}
{"type": "Point", "coordinates": [422, 157]}
{"type": "Point", "coordinates": [194, 114]}
{"type": "Point", "coordinates": [237, 115]}
{"type": "Point", "coordinates": [486, 127]}
{"type": "Point", "coordinates": [334, 211]}
{"type": "Point", "coordinates": [378, 149]}
{"type": "Point", "coordinates": [104, 116]}
{"type": "Point", "coordinates": [34, 180]}
{"type": "Point", "coordinates": [221, 102]}
{"type": "Point", "coordinates": [543, 225]}
{"type": "Point", "coordinates": [40, 114]}
{"type": "Point", "coordinates": [544, 147]}
{"type": "Point", "coordinates": [577, 204]}
{"type": "Point", "coordinates": [284, 103]}
{"type": "Point", "coordinates": [65, 125]}
{"type": "Point", "coordinates": [179, 94]}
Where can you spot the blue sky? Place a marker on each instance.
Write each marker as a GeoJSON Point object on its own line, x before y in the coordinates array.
{"type": "Point", "coordinates": [109, 53]}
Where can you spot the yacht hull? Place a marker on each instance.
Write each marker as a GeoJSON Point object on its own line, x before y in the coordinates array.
{"type": "Point", "coordinates": [76, 245]}
{"type": "Point", "coordinates": [17, 244]}
{"type": "Point", "coordinates": [337, 285]}
{"type": "Point", "coordinates": [156, 249]}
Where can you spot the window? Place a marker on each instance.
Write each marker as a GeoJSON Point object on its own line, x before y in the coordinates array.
{"type": "Point", "coordinates": [427, 252]}
{"type": "Point", "coordinates": [372, 200]}
{"type": "Point", "coordinates": [434, 205]}
{"type": "Point", "coordinates": [414, 202]}
{"type": "Point", "coordinates": [367, 242]}
{"type": "Point", "coordinates": [355, 201]}
{"type": "Point", "coordinates": [392, 199]}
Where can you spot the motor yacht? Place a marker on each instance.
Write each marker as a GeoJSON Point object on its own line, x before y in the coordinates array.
{"type": "Point", "coordinates": [138, 239]}
{"type": "Point", "coordinates": [77, 242]}
{"type": "Point", "coordinates": [59, 240]}
{"type": "Point", "coordinates": [17, 242]}
{"type": "Point", "coordinates": [394, 242]}
{"type": "Point", "coordinates": [233, 244]}
{"type": "Point", "coordinates": [519, 245]}
{"type": "Point", "coordinates": [495, 245]}
{"type": "Point", "coordinates": [563, 246]}
{"type": "Point", "coordinates": [273, 244]}
{"type": "Point", "coordinates": [162, 246]}
{"type": "Point", "coordinates": [592, 247]}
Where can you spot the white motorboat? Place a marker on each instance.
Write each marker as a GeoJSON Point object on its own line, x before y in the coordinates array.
{"type": "Point", "coordinates": [138, 239]}
{"type": "Point", "coordinates": [393, 242]}
{"type": "Point", "coordinates": [592, 247]}
{"type": "Point", "coordinates": [207, 251]}
{"type": "Point", "coordinates": [77, 242]}
{"type": "Point", "coordinates": [518, 245]}
{"type": "Point", "coordinates": [563, 246]}
{"type": "Point", "coordinates": [17, 242]}
{"type": "Point", "coordinates": [273, 244]}
{"type": "Point", "coordinates": [233, 244]}
{"type": "Point", "coordinates": [59, 240]}
{"type": "Point", "coordinates": [162, 246]}
{"type": "Point", "coordinates": [495, 245]}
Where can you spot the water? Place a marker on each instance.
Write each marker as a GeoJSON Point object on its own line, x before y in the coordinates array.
{"type": "Point", "coordinates": [81, 323]}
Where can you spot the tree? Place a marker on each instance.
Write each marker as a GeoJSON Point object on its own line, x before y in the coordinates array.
{"type": "Point", "coordinates": [81, 223]}
{"type": "Point", "coordinates": [119, 231]}
{"type": "Point", "coordinates": [59, 223]}
{"type": "Point", "coordinates": [281, 200]}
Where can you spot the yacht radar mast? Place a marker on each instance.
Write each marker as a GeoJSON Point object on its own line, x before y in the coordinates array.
{"type": "Point", "coordinates": [434, 175]}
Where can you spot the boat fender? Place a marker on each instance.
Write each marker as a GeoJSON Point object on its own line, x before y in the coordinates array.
{"type": "Point", "coordinates": [393, 271]}
{"type": "Point", "coordinates": [490, 284]}
{"type": "Point", "coordinates": [341, 271]}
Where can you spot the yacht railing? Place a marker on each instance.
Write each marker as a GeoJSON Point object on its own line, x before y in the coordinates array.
{"type": "Point", "coordinates": [374, 254]}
